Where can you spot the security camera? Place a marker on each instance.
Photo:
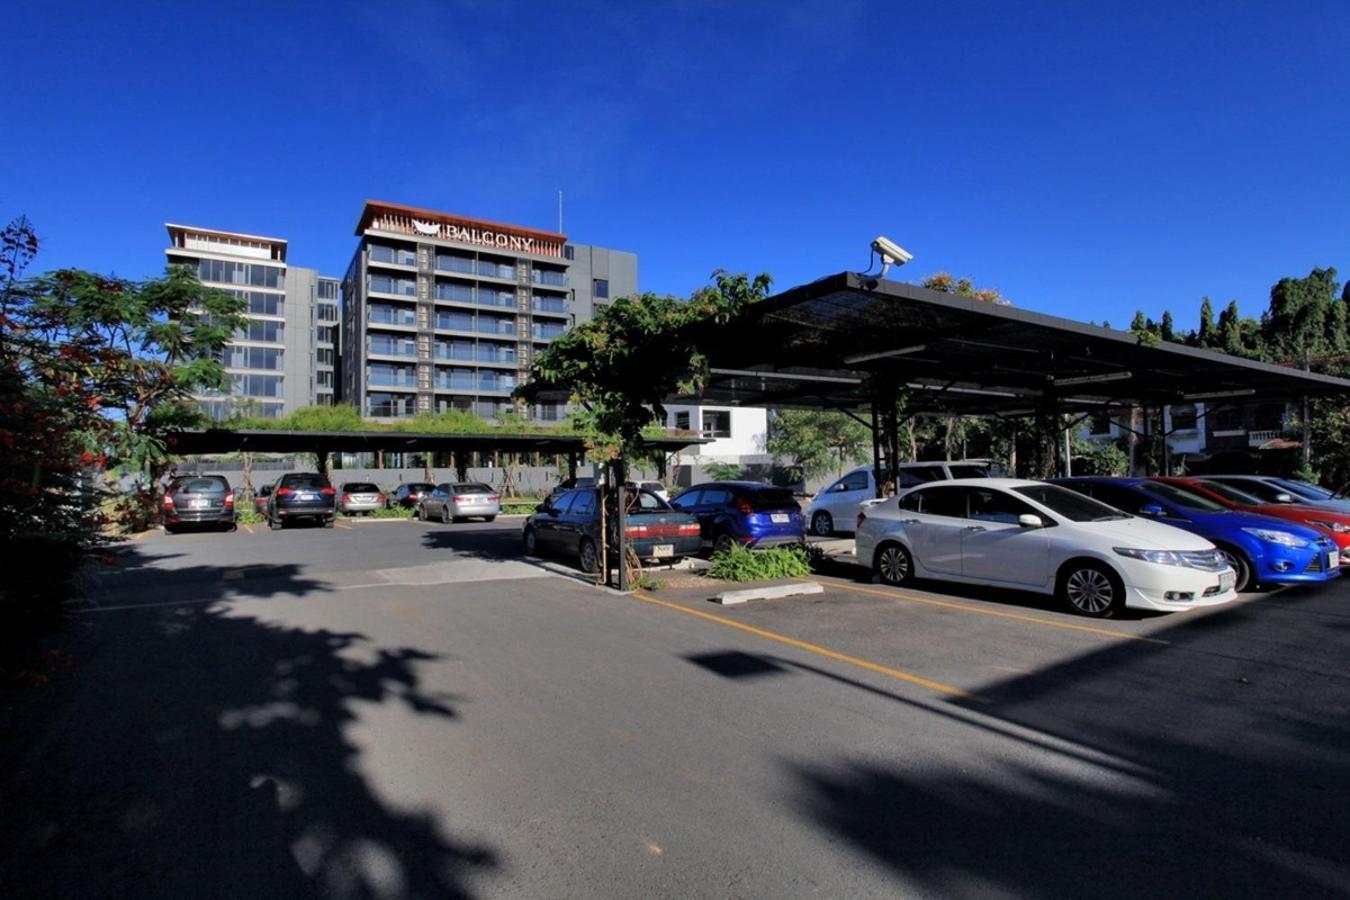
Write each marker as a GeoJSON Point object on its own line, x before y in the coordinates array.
{"type": "Point", "coordinates": [891, 252]}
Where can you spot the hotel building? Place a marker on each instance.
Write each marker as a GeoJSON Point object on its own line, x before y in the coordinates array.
{"type": "Point", "coordinates": [442, 311]}
{"type": "Point", "coordinates": [285, 356]}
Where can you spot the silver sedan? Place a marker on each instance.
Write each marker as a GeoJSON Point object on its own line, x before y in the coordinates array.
{"type": "Point", "coordinates": [457, 501]}
{"type": "Point", "coordinates": [360, 497]}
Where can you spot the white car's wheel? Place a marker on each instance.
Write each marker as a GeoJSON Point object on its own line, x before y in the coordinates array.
{"type": "Point", "coordinates": [1091, 589]}
{"type": "Point", "coordinates": [822, 524]}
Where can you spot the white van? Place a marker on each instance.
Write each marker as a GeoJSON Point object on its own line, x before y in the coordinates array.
{"type": "Point", "coordinates": [836, 507]}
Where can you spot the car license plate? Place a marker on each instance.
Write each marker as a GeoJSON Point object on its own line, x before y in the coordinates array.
{"type": "Point", "coordinates": [304, 497]}
{"type": "Point", "coordinates": [199, 504]}
{"type": "Point", "coordinates": [1227, 580]}
{"type": "Point", "coordinates": [779, 518]}
{"type": "Point", "coordinates": [663, 550]}
{"type": "Point", "coordinates": [1333, 559]}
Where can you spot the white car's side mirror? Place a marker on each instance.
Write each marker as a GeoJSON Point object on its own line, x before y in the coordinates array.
{"type": "Point", "coordinates": [1027, 520]}
{"type": "Point", "coordinates": [1284, 498]}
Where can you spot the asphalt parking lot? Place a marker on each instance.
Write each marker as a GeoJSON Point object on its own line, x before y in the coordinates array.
{"type": "Point", "coordinates": [406, 709]}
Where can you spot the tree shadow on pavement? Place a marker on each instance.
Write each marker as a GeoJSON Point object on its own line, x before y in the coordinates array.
{"type": "Point", "coordinates": [198, 752]}
{"type": "Point", "coordinates": [1222, 771]}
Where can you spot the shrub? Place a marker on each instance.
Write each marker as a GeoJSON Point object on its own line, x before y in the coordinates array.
{"type": "Point", "coordinates": [740, 564]}
{"type": "Point", "coordinates": [398, 512]}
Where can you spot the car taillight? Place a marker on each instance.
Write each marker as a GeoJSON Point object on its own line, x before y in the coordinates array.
{"type": "Point", "coordinates": [283, 491]}
{"type": "Point", "coordinates": [861, 516]}
{"type": "Point", "coordinates": [494, 497]}
{"type": "Point", "coordinates": [743, 505]}
{"type": "Point", "coordinates": [379, 498]}
{"type": "Point", "coordinates": [460, 499]}
{"type": "Point", "coordinates": [636, 530]}
{"type": "Point", "coordinates": [690, 528]}
{"type": "Point", "coordinates": [229, 499]}
{"type": "Point", "coordinates": [327, 492]}
{"type": "Point", "coordinates": [168, 501]}
{"type": "Point", "coordinates": [346, 498]}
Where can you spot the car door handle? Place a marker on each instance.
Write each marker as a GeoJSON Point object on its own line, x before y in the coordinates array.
{"type": "Point", "coordinates": [973, 528]}
{"type": "Point", "coordinates": [909, 521]}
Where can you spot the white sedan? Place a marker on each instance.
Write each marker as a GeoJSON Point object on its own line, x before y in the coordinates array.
{"type": "Point", "coordinates": [1041, 537]}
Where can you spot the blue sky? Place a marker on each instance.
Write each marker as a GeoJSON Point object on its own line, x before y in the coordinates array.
{"type": "Point", "coordinates": [1086, 159]}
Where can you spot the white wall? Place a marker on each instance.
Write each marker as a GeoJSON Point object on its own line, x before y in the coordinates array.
{"type": "Point", "coordinates": [749, 428]}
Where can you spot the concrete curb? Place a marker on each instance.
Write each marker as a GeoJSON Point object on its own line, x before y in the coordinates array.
{"type": "Point", "coordinates": [768, 592]}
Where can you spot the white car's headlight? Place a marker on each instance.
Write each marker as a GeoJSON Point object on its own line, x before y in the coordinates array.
{"type": "Point", "coordinates": [1338, 527]}
{"type": "Point", "coordinates": [1278, 537]}
{"type": "Point", "coordinates": [1161, 557]}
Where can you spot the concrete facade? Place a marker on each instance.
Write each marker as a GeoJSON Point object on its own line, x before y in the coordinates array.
{"type": "Point", "coordinates": [443, 312]}
{"type": "Point", "coordinates": [272, 362]}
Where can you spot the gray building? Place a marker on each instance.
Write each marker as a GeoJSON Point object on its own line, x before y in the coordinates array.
{"type": "Point", "coordinates": [443, 312]}
{"type": "Point", "coordinates": [285, 357]}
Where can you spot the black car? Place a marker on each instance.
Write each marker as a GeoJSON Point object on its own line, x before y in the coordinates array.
{"type": "Point", "coordinates": [301, 495]}
{"type": "Point", "coordinates": [408, 496]}
{"type": "Point", "coordinates": [198, 500]}
{"type": "Point", "coordinates": [570, 525]}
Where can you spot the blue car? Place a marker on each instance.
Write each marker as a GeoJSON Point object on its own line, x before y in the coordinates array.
{"type": "Point", "coordinates": [1260, 549]}
{"type": "Point", "coordinates": [745, 513]}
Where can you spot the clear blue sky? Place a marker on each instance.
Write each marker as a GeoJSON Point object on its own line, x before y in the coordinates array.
{"type": "Point", "coordinates": [1087, 159]}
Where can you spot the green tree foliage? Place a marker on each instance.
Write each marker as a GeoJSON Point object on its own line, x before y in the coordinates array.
{"type": "Point", "coordinates": [622, 366]}
{"type": "Point", "coordinates": [147, 347]}
{"type": "Point", "coordinates": [1206, 335]}
{"type": "Point", "coordinates": [813, 442]}
{"type": "Point", "coordinates": [49, 427]}
{"type": "Point", "coordinates": [1305, 320]}
{"type": "Point", "coordinates": [942, 281]}
{"type": "Point", "coordinates": [723, 471]}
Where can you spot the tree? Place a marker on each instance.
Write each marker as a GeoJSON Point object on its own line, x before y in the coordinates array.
{"type": "Point", "coordinates": [1205, 336]}
{"type": "Point", "coordinates": [815, 442]}
{"type": "Point", "coordinates": [146, 348]}
{"type": "Point", "coordinates": [623, 365]}
{"type": "Point", "coordinates": [942, 281]}
{"type": "Point", "coordinates": [49, 517]}
{"type": "Point", "coordinates": [723, 471]}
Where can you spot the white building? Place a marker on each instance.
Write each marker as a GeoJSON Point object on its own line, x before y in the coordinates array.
{"type": "Point", "coordinates": [736, 434]}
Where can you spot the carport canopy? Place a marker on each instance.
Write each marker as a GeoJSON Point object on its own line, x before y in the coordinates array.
{"type": "Point", "coordinates": [848, 341]}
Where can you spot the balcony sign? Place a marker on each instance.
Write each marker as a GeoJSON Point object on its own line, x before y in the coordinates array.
{"type": "Point", "coordinates": [481, 236]}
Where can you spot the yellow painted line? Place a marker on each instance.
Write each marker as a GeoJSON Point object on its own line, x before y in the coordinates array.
{"type": "Point", "coordinates": [247, 527]}
{"type": "Point", "coordinates": [233, 574]}
{"type": "Point", "coordinates": [138, 535]}
{"type": "Point", "coordinates": [997, 613]}
{"type": "Point", "coordinates": [343, 525]}
{"type": "Point", "coordinates": [815, 648]}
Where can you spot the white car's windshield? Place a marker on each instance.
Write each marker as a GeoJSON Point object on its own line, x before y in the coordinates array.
{"type": "Point", "coordinates": [1070, 504]}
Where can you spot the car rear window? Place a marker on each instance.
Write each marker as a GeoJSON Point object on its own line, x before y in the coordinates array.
{"type": "Point", "coordinates": [471, 487]}
{"type": "Point", "coordinates": [207, 485]}
{"type": "Point", "coordinates": [418, 487]}
{"type": "Point", "coordinates": [969, 470]}
{"type": "Point", "coordinates": [771, 498]}
{"type": "Point", "coordinates": [316, 482]}
{"type": "Point", "coordinates": [360, 487]}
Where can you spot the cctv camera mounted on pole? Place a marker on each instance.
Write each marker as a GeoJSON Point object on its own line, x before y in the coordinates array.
{"type": "Point", "coordinates": [891, 253]}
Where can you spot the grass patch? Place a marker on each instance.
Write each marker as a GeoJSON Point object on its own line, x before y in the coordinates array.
{"type": "Point", "coordinates": [398, 512]}
{"type": "Point", "coordinates": [740, 564]}
{"type": "Point", "coordinates": [249, 517]}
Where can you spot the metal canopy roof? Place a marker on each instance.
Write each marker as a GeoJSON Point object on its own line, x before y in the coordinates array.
{"type": "Point", "coordinates": [225, 440]}
{"type": "Point", "coordinates": [833, 342]}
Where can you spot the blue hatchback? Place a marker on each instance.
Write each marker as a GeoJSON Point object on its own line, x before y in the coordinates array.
{"type": "Point", "coordinates": [745, 513]}
{"type": "Point", "coordinates": [1260, 549]}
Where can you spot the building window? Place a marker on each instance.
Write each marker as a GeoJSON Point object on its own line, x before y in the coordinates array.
{"type": "Point", "coordinates": [1183, 417]}
{"type": "Point", "coordinates": [1099, 423]}
{"type": "Point", "coordinates": [600, 288]}
{"type": "Point", "coordinates": [682, 421]}
{"type": "Point", "coordinates": [1228, 419]}
{"type": "Point", "coordinates": [717, 424]}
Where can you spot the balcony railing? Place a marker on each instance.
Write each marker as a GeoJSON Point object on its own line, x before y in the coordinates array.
{"type": "Point", "coordinates": [542, 276]}
{"type": "Point", "coordinates": [390, 379]}
{"type": "Point", "coordinates": [391, 349]}
{"type": "Point", "coordinates": [1257, 438]}
{"type": "Point", "coordinates": [385, 316]}
{"type": "Point", "coordinates": [549, 305]}
{"type": "Point", "coordinates": [390, 409]}
{"type": "Point", "coordinates": [548, 332]}
{"type": "Point", "coordinates": [391, 255]}
{"type": "Point", "coordinates": [393, 286]}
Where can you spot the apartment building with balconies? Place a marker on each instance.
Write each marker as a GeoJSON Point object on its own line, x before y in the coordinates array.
{"type": "Point", "coordinates": [445, 312]}
{"type": "Point", "coordinates": [284, 357]}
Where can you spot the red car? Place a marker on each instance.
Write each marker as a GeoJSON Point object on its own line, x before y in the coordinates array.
{"type": "Point", "coordinates": [1333, 524]}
